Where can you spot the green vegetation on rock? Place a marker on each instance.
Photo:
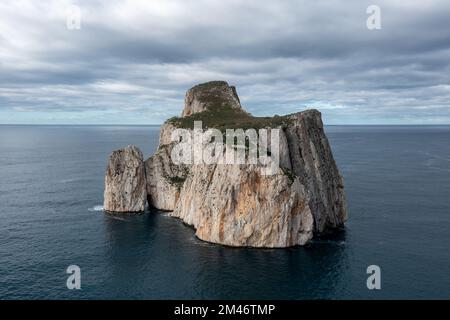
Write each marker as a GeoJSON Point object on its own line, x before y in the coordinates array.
{"type": "Point", "coordinates": [177, 181]}
{"type": "Point", "coordinates": [290, 174]}
{"type": "Point", "coordinates": [224, 117]}
{"type": "Point", "coordinates": [221, 109]}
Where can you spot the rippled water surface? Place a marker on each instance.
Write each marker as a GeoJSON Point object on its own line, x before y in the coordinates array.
{"type": "Point", "coordinates": [397, 181]}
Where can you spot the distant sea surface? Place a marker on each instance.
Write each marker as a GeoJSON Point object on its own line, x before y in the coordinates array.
{"type": "Point", "coordinates": [397, 181]}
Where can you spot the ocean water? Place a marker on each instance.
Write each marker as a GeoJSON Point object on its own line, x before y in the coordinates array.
{"type": "Point", "coordinates": [397, 181]}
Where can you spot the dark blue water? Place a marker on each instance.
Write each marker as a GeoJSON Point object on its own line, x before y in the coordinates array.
{"type": "Point", "coordinates": [51, 183]}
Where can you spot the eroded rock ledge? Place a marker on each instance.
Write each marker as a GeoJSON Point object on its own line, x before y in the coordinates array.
{"type": "Point", "coordinates": [235, 204]}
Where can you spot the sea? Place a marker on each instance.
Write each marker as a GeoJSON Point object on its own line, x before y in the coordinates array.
{"type": "Point", "coordinates": [397, 182]}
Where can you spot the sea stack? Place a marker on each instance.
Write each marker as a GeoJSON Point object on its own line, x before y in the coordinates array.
{"type": "Point", "coordinates": [236, 204]}
{"type": "Point", "coordinates": [125, 184]}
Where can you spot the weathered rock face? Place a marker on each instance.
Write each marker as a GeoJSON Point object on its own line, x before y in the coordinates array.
{"type": "Point", "coordinates": [164, 179]}
{"type": "Point", "coordinates": [235, 204]}
{"type": "Point", "coordinates": [312, 161]}
{"type": "Point", "coordinates": [210, 94]}
{"type": "Point", "coordinates": [125, 183]}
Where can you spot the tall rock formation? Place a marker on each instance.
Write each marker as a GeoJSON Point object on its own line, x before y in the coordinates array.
{"type": "Point", "coordinates": [125, 183]}
{"type": "Point", "coordinates": [236, 204]}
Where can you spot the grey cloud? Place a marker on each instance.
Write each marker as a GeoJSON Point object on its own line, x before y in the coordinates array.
{"type": "Point", "coordinates": [139, 58]}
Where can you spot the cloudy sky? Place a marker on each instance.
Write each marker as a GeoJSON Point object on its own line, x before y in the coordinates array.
{"type": "Point", "coordinates": [132, 61]}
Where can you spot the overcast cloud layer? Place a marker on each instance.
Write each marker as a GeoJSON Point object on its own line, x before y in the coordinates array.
{"type": "Point", "coordinates": [132, 61]}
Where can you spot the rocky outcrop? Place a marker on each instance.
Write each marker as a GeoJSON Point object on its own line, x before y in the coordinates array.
{"type": "Point", "coordinates": [210, 95]}
{"type": "Point", "coordinates": [237, 204]}
{"type": "Point", "coordinates": [125, 183]}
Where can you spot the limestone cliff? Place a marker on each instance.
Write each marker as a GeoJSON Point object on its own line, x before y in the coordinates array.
{"type": "Point", "coordinates": [125, 183]}
{"type": "Point", "coordinates": [235, 204]}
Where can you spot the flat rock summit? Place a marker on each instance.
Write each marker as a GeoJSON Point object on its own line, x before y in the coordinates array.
{"type": "Point", "coordinates": [236, 204]}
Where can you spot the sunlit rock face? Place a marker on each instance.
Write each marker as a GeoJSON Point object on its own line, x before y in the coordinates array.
{"type": "Point", "coordinates": [125, 183]}
{"type": "Point", "coordinates": [237, 206]}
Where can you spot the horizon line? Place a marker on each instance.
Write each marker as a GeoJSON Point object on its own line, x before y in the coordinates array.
{"type": "Point", "coordinates": [154, 125]}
